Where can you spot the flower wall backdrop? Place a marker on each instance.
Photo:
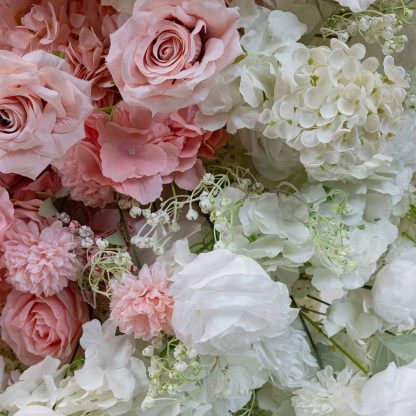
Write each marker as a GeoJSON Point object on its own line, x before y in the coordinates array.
{"type": "Point", "coordinates": [207, 208]}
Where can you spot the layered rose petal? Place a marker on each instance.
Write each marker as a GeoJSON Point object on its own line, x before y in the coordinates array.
{"type": "Point", "coordinates": [164, 57]}
{"type": "Point", "coordinates": [37, 327]}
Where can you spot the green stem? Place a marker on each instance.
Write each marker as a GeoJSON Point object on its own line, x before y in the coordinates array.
{"type": "Point", "coordinates": [134, 254]}
{"type": "Point", "coordinates": [335, 344]}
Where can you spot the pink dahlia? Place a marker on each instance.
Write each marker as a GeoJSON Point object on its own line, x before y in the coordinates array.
{"type": "Point", "coordinates": [40, 261]}
{"type": "Point", "coordinates": [142, 306]}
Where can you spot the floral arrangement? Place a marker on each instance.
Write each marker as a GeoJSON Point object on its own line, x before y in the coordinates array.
{"type": "Point", "coordinates": [207, 208]}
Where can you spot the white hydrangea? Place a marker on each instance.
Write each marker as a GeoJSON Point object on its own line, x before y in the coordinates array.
{"type": "Point", "coordinates": [342, 114]}
{"type": "Point", "coordinates": [274, 231]}
{"type": "Point", "coordinates": [224, 302]}
{"type": "Point", "coordinates": [354, 313]}
{"type": "Point", "coordinates": [36, 385]}
{"type": "Point", "coordinates": [288, 359]}
{"type": "Point", "coordinates": [238, 93]}
{"type": "Point", "coordinates": [111, 377]}
{"type": "Point", "coordinates": [36, 410]}
{"type": "Point", "coordinates": [276, 401]}
{"type": "Point", "coordinates": [332, 394]}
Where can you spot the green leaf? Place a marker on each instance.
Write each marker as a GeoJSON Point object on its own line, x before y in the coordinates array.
{"type": "Point", "coordinates": [47, 209]}
{"type": "Point", "coordinates": [59, 54]}
{"type": "Point", "coordinates": [329, 357]}
{"type": "Point", "coordinates": [116, 239]}
{"type": "Point", "coordinates": [400, 349]}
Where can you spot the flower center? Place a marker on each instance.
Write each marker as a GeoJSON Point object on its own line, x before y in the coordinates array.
{"type": "Point", "coordinates": [4, 120]}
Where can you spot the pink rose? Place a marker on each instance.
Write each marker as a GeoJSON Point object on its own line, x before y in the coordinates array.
{"type": "Point", "coordinates": [36, 327]}
{"type": "Point", "coordinates": [140, 153]}
{"type": "Point", "coordinates": [165, 56]}
{"type": "Point", "coordinates": [42, 111]}
{"type": "Point", "coordinates": [6, 213]}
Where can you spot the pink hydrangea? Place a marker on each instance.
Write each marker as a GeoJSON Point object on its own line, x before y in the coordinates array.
{"type": "Point", "coordinates": [166, 55]}
{"type": "Point", "coordinates": [40, 261]}
{"type": "Point", "coordinates": [82, 175]}
{"type": "Point", "coordinates": [140, 153]}
{"type": "Point", "coordinates": [142, 306]}
{"type": "Point", "coordinates": [38, 327]}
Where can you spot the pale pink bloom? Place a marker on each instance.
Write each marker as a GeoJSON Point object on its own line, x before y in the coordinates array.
{"type": "Point", "coordinates": [166, 55]}
{"type": "Point", "coordinates": [6, 213]}
{"type": "Point", "coordinates": [142, 305]}
{"type": "Point", "coordinates": [37, 327]}
{"type": "Point", "coordinates": [79, 29]}
{"type": "Point", "coordinates": [140, 153]}
{"type": "Point", "coordinates": [82, 175]}
{"type": "Point", "coordinates": [42, 111]}
{"type": "Point", "coordinates": [40, 261]}
{"type": "Point", "coordinates": [5, 288]}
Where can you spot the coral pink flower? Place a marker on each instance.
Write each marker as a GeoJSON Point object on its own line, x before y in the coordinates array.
{"type": "Point", "coordinates": [40, 261]}
{"type": "Point", "coordinates": [142, 306]}
{"type": "Point", "coordinates": [212, 142]}
{"type": "Point", "coordinates": [82, 175]}
{"type": "Point", "coordinates": [42, 111]}
{"type": "Point", "coordinates": [37, 327]}
{"type": "Point", "coordinates": [165, 56]}
{"type": "Point", "coordinates": [6, 213]}
{"type": "Point", "coordinates": [140, 153]}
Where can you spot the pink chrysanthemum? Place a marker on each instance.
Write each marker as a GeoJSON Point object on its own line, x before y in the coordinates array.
{"type": "Point", "coordinates": [142, 306]}
{"type": "Point", "coordinates": [40, 261]}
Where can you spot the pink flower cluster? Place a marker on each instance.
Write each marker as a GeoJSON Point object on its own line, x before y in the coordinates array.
{"type": "Point", "coordinates": [94, 105]}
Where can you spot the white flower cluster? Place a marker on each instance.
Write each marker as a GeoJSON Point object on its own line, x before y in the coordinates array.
{"type": "Point", "coordinates": [341, 115]}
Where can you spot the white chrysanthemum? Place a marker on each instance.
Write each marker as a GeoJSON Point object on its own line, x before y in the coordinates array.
{"type": "Point", "coordinates": [288, 359]}
{"type": "Point", "coordinates": [354, 313]}
{"type": "Point", "coordinates": [224, 302]}
{"type": "Point", "coordinates": [110, 378]}
{"type": "Point", "coordinates": [331, 395]}
{"type": "Point", "coordinates": [356, 5]}
{"type": "Point", "coordinates": [342, 114]}
{"type": "Point", "coordinates": [390, 392]}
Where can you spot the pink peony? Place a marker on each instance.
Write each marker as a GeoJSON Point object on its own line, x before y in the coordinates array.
{"type": "Point", "coordinates": [142, 306]}
{"type": "Point", "coordinates": [40, 261]}
{"type": "Point", "coordinates": [6, 213]}
{"type": "Point", "coordinates": [82, 174]}
{"type": "Point", "coordinates": [165, 56]}
{"type": "Point", "coordinates": [42, 111]}
{"type": "Point", "coordinates": [78, 29]}
{"type": "Point", "coordinates": [37, 327]}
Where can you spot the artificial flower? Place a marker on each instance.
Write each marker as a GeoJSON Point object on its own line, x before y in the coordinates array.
{"type": "Point", "coordinates": [167, 54]}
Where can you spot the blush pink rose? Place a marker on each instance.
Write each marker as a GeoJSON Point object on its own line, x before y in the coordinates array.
{"type": "Point", "coordinates": [142, 305]}
{"type": "Point", "coordinates": [37, 327]}
{"type": "Point", "coordinates": [165, 56]}
{"type": "Point", "coordinates": [6, 213]}
{"type": "Point", "coordinates": [140, 153]}
{"type": "Point", "coordinates": [42, 111]}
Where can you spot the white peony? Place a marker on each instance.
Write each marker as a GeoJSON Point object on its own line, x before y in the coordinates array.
{"type": "Point", "coordinates": [275, 401]}
{"type": "Point", "coordinates": [36, 410]}
{"type": "Point", "coordinates": [390, 392]}
{"type": "Point", "coordinates": [332, 394]}
{"type": "Point", "coordinates": [356, 5]}
{"type": "Point", "coordinates": [288, 359]}
{"type": "Point", "coordinates": [224, 302]}
{"type": "Point", "coordinates": [342, 114]}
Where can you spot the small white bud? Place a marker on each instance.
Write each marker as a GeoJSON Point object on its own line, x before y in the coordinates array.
{"type": "Point", "coordinates": [148, 351]}
{"type": "Point", "coordinates": [87, 242]}
{"type": "Point", "coordinates": [191, 215]}
{"type": "Point", "coordinates": [102, 244]}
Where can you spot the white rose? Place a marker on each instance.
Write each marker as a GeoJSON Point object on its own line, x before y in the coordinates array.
{"type": "Point", "coordinates": [390, 392]}
{"type": "Point", "coordinates": [288, 359]}
{"type": "Point", "coordinates": [224, 302]}
{"type": "Point", "coordinates": [394, 293]}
